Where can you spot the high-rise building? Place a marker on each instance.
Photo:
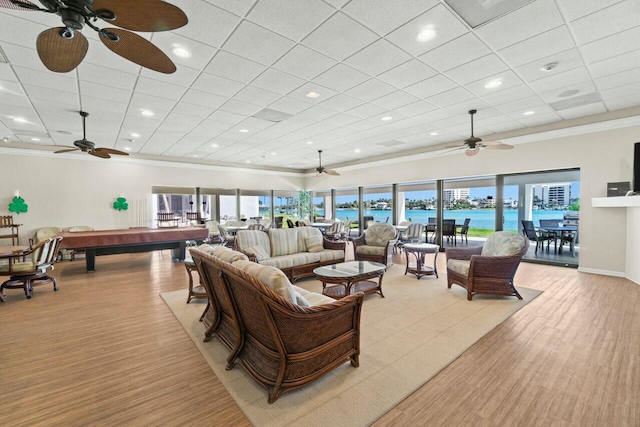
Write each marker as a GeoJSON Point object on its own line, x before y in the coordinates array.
{"type": "Point", "coordinates": [449, 197]}
{"type": "Point", "coordinates": [552, 195]}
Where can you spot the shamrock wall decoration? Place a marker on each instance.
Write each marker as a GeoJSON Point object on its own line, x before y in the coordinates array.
{"type": "Point", "coordinates": [18, 205]}
{"type": "Point", "coordinates": [121, 204]}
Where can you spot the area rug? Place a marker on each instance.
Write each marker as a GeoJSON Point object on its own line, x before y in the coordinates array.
{"type": "Point", "coordinates": [407, 337]}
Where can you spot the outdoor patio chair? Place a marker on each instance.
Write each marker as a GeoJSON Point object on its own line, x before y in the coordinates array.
{"type": "Point", "coordinates": [534, 235]}
{"type": "Point", "coordinates": [449, 230]}
{"type": "Point", "coordinates": [464, 230]}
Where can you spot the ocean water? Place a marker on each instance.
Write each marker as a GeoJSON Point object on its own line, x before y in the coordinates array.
{"type": "Point", "coordinates": [480, 218]}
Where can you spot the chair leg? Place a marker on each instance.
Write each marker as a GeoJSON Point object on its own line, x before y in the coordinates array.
{"type": "Point", "coordinates": [27, 287]}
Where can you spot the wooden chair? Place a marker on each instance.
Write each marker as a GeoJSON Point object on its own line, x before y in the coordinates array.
{"type": "Point", "coordinates": [167, 219]}
{"type": "Point", "coordinates": [431, 228]}
{"type": "Point", "coordinates": [35, 270]}
{"type": "Point", "coordinates": [9, 230]}
{"type": "Point", "coordinates": [192, 218]}
{"type": "Point", "coordinates": [488, 269]}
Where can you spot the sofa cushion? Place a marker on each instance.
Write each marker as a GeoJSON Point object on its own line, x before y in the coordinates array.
{"type": "Point", "coordinates": [379, 234]}
{"type": "Point", "coordinates": [303, 233]}
{"type": "Point", "coordinates": [314, 244]}
{"type": "Point", "coordinates": [248, 238]}
{"type": "Point", "coordinates": [370, 250]}
{"type": "Point", "coordinates": [331, 255]}
{"type": "Point", "coordinates": [301, 301]}
{"type": "Point", "coordinates": [272, 277]}
{"type": "Point", "coordinates": [313, 298]}
{"type": "Point", "coordinates": [293, 260]}
{"type": "Point", "coordinates": [206, 248]}
{"type": "Point", "coordinates": [503, 243]}
{"type": "Point", "coordinates": [460, 266]}
{"type": "Point", "coordinates": [258, 252]}
{"type": "Point", "coordinates": [284, 241]}
{"type": "Point", "coordinates": [228, 255]}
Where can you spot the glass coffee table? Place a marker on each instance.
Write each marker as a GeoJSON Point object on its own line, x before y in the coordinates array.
{"type": "Point", "coordinates": [347, 278]}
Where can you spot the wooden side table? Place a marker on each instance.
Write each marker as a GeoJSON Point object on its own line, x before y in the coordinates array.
{"type": "Point", "coordinates": [419, 250]}
{"type": "Point", "coordinates": [194, 292]}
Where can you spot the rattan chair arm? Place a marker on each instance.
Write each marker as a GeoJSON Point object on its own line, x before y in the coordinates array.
{"type": "Point", "coordinates": [330, 244]}
{"type": "Point", "coordinates": [462, 253]}
{"type": "Point", "coordinates": [360, 240]}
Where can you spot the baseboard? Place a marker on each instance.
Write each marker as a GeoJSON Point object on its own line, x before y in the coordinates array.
{"type": "Point", "coordinates": [601, 272]}
{"type": "Point", "coordinates": [633, 280]}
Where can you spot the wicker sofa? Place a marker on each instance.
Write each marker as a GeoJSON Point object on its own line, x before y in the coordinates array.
{"type": "Point", "coordinates": [295, 251]}
{"type": "Point", "coordinates": [285, 337]}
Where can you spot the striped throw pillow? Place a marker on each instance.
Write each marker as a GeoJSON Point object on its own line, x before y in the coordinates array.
{"type": "Point", "coordinates": [314, 243]}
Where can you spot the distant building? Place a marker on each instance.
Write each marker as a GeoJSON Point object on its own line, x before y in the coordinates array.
{"type": "Point", "coordinates": [449, 197]}
{"type": "Point", "coordinates": [552, 195]}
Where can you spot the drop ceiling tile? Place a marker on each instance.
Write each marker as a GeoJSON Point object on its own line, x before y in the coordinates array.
{"type": "Point", "coordinates": [445, 22]}
{"type": "Point", "coordinates": [26, 57]}
{"type": "Point", "coordinates": [509, 95]}
{"type": "Point", "coordinates": [324, 92]}
{"type": "Point", "coordinates": [620, 91]}
{"type": "Point", "coordinates": [565, 61]}
{"type": "Point", "coordinates": [145, 101]}
{"type": "Point", "coordinates": [207, 23]}
{"type": "Point", "coordinates": [521, 105]}
{"type": "Point", "coordinates": [238, 7]}
{"type": "Point", "coordinates": [407, 74]}
{"type": "Point", "coordinates": [462, 108]}
{"type": "Point", "coordinates": [216, 85]}
{"type": "Point", "coordinates": [318, 112]}
{"type": "Point", "coordinates": [203, 99]}
{"type": "Point", "coordinates": [59, 81]}
{"type": "Point", "coordinates": [105, 76]}
{"type": "Point", "coordinates": [106, 92]}
{"type": "Point", "coordinates": [233, 67]}
{"type": "Point", "coordinates": [430, 86]}
{"type": "Point", "coordinates": [574, 9]}
{"type": "Point", "coordinates": [621, 103]}
{"type": "Point", "coordinates": [395, 100]}
{"type": "Point", "coordinates": [290, 105]}
{"type": "Point", "coordinates": [304, 62]}
{"type": "Point", "coordinates": [370, 90]}
{"type": "Point", "coordinates": [341, 102]}
{"type": "Point", "coordinates": [454, 53]}
{"type": "Point", "coordinates": [583, 88]}
{"type": "Point", "coordinates": [341, 77]}
{"type": "Point", "coordinates": [277, 81]}
{"type": "Point", "coordinates": [184, 76]}
{"type": "Point", "coordinates": [486, 66]}
{"type": "Point", "coordinates": [292, 19]}
{"type": "Point", "coordinates": [377, 58]}
{"type": "Point", "coordinates": [561, 80]}
{"type": "Point", "coordinates": [618, 79]}
{"type": "Point", "coordinates": [619, 17]}
{"type": "Point", "coordinates": [541, 46]}
{"type": "Point", "coordinates": [583, 111]}
{"type": "Point", "coordinates": [18, 101]}
{"type": "Point", "coordinates": [191, 110]}
{"type": "Point", "coordinates": [257, 96]}
{"type": "Point", "coordinates": [416, 108]}
{"type": "Point", "coordinates": [608, 47]}
{"type": "Point", "coordinates": [12, 88]}
{"type": "Point", "coordinates": [530, 20]}
{"type": "Point", "coordinates": [11, 27]}
{"type": "Point", "coordinates": [617, 64]}
{"type": "Point", "coordinates": [508, 78]}
{"type": "Point", "coordinates": [157, 88]}
{"type": "Point", "coordinates": [344, 120]}
{"type": "Point", "coordinates": [239, 107]}
{"type": "Point", "coordinates": [383, 16]}
{"type": "Point", "coordinates": [201, 53]}
{"type": "Point", "coordinates": [99, 55]}
{"type": "Point", "coordinates": [339, 37]}
{"type": "Point", "coordinates": [259, 44]}
{"type": "Point", "coordinates": [540, 119]}
{"type": "Point", "coordinates": [366, 111]}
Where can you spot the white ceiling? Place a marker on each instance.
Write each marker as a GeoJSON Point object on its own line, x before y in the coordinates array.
{"type": "Point", "coordinates": [361, 56]}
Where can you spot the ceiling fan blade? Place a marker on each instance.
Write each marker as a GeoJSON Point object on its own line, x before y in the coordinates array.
{"type": "Point", "coordinates": [456, 146]}
{"type": "Point", "coordinates": [331, 172]}
{"type": "Point", "coordinates": [18, 5]}
{"type": "Point", "coordinates": [143, 15]}
{"type": "Point", "coordinates": [111, 151]}
{"type": "Point", "coordinates": [100, 154]}
{"type": "Point", "coordinates": [318, 173]}
{"type": "Point", "coordinates": [59, 53]}
{"type": "Point", "coordinates": [499, 146]}
{"type": "Point", "coordinates": [472, 151]}
{"type": "Point", "coordinates": [68, 150]}
{"type": "Point", "coordinates": [137, 49]}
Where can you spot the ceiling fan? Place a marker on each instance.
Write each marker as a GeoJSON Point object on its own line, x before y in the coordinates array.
{"type": "Point", "coordinates": [322, 170]}
{"type": "Point", "coordinates": [87, 146]}
{"type": "Point", "coordinates": [62, 49]}
{"type": "Point", "coordinates": [473, 143]}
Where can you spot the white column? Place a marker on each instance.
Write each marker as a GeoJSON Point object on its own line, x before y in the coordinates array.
{"type": "Point", "coordinates": [328, 208]}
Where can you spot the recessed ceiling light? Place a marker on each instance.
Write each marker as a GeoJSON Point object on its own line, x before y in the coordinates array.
{"type": "Point", "coordinates": [386, 118]}
{"type": "Point", "coordinates": [20, 120]}
{"type": "Point", "coordinates": [243, 130]}
{"type": "Point", "coordinates": [127, 148]}
{"type": "Point", "coordinates": [427, 33]}
{"type": "Point", "coordinates": [181, 52]}
{"type": "Point", "coordinates": [289, 166]}
{"type": "Point", "coordinates": [214, 145]}
{"type": "Point", "coordinates": [312, 95]}
{"type": "Point", "coordinates": [247, 161]}
{"type": "Point", "coordinates": [5, 139]}
{"type": "Point", "coordinates": [433, 133]}
{"type": "Point", "coordinates": [357, 150]}
{"type": "Point", "coordinates": [194, 155]}
{"type": "Point", "coordinates": [492, 84]}
{"type": "Point", "coordinates": [549, 67]}
{"type": "Point", "coordinates": [135, 135]}
{"type": "Point", "coordinates": [35, 139]}
{"type": "Point", "coordinates": [147, 113]}
{"type": "Point", "coordinates": [528, 113]}
{"type": "Point", "coordinates": [273, 154]}
{"type": "Point", "coordinates": [309, 142]}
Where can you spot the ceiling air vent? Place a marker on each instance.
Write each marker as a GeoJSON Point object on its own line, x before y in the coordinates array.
{"type": "Point", "coordinates": [577, 101]}
{"type": "Point", "coordinates": [391, 143]}
{"type": "Point", "coordinates": [272, 115]}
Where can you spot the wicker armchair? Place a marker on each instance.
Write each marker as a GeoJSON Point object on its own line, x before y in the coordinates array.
{"type": "Point", "coordinates": [376, 244]}
{"type": "Point", "coordinates": [488, 269]}
{"type": "Point", "coordinates": [282, 346]}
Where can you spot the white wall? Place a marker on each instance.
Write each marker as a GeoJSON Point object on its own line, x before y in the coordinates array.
{"type": "Point", "coordinates": [80, 190]}
{"type": "Point", "coordinates": [602, 157]}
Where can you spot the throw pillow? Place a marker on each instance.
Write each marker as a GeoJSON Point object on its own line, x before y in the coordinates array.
{"type": "Point", "coordinates": [271, 277]}
{"type": "Point", "coordinates": [257, 251]}
{"type": "Point", "coordinates": [314, 243]}
{"type": "Point", "coordinates": [301, 301]}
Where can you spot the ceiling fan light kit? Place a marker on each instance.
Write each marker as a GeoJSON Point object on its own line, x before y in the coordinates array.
{"type": "Point", "coordinates": [473, 144]}
{"type": "Point", "coordinates": [62, 49]}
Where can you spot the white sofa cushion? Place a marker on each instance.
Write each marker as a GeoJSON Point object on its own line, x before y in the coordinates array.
{"type": "Point", "coordinates": [303, 233]}
{"type": "Point", "coordinates": [272, 277]}
{"type": "Point", "coordinates": [257, 251]}
{"type": "Point", "coordinates": [292, 260]}
{"type": "Point", "coordinates": [460, 266]}
{"type": "Point", "coordinates": [503, 243]}
{"type": "Point", "coordinates": [313, 298]}
{"type": "Point", "coordinates": [248, 238]}
{"type": "Point", "coordinates": [228, 255]}
{"type": "Point", "coordinates": [370, 250]}
{"type": "Point", "coordinates": [284, 241]}
{"type": "Point", "coordinates": [331, 255]}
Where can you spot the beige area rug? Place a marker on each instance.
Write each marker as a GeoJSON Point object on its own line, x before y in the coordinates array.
{"type": "Point", "coordinates": [407, 338]}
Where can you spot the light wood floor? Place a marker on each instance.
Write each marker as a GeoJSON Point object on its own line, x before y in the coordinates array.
{"type": "Point", "coordinates": [105, 350]}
